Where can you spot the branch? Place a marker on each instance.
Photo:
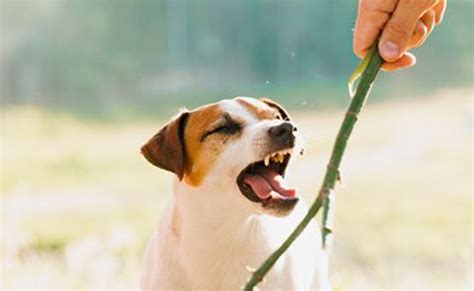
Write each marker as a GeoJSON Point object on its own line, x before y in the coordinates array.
{"type": "Point", "coordinates": [369, 67]}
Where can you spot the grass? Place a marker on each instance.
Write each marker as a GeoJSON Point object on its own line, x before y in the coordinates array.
{"type": "Point", "coordinates": [79, 202]}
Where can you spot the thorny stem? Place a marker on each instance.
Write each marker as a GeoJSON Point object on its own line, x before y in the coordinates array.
{"type": "Point", "coordinates": [370, 67]}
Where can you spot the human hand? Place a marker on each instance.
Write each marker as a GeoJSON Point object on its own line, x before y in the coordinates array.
{"type": "Point", "coordinates": [401, 25]}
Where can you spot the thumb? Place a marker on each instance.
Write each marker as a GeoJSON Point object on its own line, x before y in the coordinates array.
{"type": "Point", "coordinates": [399, 29]}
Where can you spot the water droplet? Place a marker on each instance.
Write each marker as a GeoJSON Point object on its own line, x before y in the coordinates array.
{"type": "Point", "coordinates": [293, 54]}
{"type": "Point", "coordinates": [267, 82]}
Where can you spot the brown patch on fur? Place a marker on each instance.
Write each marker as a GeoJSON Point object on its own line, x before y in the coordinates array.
{"type": "Point", "coordinates": [201, 154]}
{"type": "Point", "coordinates": [283, 113]}
{"type": "Point", "coordinates": [166, 149]}
{"type": "Point", "coordinates": [260, 112]}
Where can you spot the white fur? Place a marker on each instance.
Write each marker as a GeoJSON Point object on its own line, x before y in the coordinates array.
{"type": "Point", "coordinates": [211, 235]}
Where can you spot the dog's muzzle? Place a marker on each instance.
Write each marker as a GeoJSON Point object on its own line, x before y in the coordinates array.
{"type": "Point", "coordinates": [264, 181]}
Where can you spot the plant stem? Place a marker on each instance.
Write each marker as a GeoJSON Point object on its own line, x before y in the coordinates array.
{"type": "Point", "coordinates": [370, 68]}
{"type": "Point", "coordinates": [332, 173]}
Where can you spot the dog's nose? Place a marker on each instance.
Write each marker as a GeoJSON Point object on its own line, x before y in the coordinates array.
{"type": "Point", "coordinates": [283, 133]}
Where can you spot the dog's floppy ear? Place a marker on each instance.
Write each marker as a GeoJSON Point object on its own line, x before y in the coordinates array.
{"type": "Point", "coordinates": [284, 114]}
{"type": "Point", "coordinates": [166, 149]}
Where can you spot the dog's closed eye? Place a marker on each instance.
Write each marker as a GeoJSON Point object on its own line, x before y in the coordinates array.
{"type": "Point", "coordinates": [228, 127]}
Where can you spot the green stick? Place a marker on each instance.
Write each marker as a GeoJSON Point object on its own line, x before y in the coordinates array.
{"type": "Point", "coordinates": [369, 67]}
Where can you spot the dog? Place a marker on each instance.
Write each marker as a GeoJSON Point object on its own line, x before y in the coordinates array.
{"type": "Point", "coordinates": [231, 206]}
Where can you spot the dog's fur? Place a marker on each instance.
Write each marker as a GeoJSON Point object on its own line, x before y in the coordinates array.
{"type": "Point", "coordinates": [211, 235]}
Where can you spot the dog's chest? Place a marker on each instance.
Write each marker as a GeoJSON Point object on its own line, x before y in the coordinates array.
{"type": "Point", "coordinates": [226, 262]}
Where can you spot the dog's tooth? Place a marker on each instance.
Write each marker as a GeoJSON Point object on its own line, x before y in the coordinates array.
{"type": "Point", "coordinates": [266, 161]}
{"type": "Point", "coordinates": [282, 158]}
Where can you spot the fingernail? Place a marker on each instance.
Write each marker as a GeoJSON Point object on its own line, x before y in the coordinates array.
{"type": "Point", "coordinates": [389, 50]}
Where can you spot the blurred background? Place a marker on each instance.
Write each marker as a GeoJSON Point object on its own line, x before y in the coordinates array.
{"type": "Point", "coordinates": [85, 83]}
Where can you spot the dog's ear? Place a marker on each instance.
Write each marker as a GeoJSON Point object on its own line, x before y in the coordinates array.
{"type": "Point", "coordinates": [284, 114]}
{"type": "Point", "coordinates": [166, 149]}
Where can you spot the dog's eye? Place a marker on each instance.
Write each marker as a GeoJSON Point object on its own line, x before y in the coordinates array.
{"type": "Point", "coordinates": [229, 127]}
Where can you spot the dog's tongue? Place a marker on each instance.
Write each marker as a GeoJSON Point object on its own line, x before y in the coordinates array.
{"type": "Point", "coordinates": [267, 181]}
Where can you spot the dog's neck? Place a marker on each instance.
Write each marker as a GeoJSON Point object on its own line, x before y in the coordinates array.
{"type": "Point", "coordinates": [212, 209]}
{"type": "Point", "coordinates": [213, 231]}
{"type": "Point", "coordinates": [210, 227]}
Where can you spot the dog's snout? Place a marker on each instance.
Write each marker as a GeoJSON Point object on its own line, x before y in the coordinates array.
{"type": "Point", "coordinates": [283, 133]}
{"type": "Point", "coordinates": [282, 130]}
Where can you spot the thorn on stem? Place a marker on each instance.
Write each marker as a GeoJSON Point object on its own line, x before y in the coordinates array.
{"type": "Point", "coordinates": [339, 178]}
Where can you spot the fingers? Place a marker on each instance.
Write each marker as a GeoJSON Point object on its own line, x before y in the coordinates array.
{"type": "Point", "coordinates": [399, 29]}
{"type": "Point", "coordinates": [429, 19]}
{"type": "Point", "coordinates": [422, 30]}
{"type": "Point", "coordinates": [401, 25]}
{"type": "Point", "coordinates": [439, 9]}
{"type": "Point", "coordinates": [371, 18]}
{"type": "Point", "coordinates": [419, 35]}
{"type": "Point", "coordinates": [406, 61]}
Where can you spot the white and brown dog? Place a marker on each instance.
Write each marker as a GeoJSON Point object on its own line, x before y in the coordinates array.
{"type": "Point", "coordinates": [231, 206]}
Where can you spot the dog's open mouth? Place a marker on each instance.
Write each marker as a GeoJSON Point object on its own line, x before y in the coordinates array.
{"type": "Point", "coordinates": [264, 181]}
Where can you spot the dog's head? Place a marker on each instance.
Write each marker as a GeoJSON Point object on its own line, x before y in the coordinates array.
{"type": "Point", "coordinates": [240, 146]}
